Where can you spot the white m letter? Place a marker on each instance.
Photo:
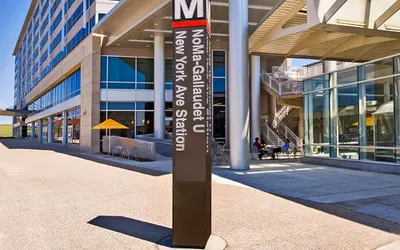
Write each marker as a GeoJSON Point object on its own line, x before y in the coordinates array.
{"type": "Point", "coordinates": [188, 11]}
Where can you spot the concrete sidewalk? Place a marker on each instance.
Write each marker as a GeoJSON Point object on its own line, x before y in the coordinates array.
{"type": "Point", "coordinates": [60, 200]}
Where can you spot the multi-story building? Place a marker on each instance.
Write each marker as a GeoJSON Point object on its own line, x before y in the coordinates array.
{"type": "Point", "coordinates": [51, 32]}
{"type": "Point", "coordinates": [81, 62]}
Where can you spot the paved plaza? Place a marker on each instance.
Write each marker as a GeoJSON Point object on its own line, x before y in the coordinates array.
{"type": "Point", "coordinates": [57, 198]}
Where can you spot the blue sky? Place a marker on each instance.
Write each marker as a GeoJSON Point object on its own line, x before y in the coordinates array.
{"type": "Point", "coordinates": [301, 62]}
{"type": "Point", "coordinates": [12, 16]}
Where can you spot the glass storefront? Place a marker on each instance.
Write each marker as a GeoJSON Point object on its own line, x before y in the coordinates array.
{"type": "Point", "coordinates": [354, 113]}
{"type": "Point", "coordinates": [219, 90]}
{"type": "Point", "coordinates": [58, 128]}
{"type": "Point", "coordinates": [138, 73]}
{"type": "Point", "coordinates": [137, 116]}
{"type": "Point", "coordinates": [45, 131]}
{"type": "Point", "coordinates": [74, 125]}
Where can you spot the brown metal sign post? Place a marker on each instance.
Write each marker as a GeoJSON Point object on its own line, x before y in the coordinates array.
{"type": "Point", "coordinates": [192, 123]}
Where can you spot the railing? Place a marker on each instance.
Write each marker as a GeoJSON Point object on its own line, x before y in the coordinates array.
{"type": "Point", "coordinates": [281, 83]}
{"type": "Point", "coordinates": [272, 138]}
{"type": "Point", "coordinates": [283, 112]}
{"type": "Point", "coordinates": [295, 73]}
{"type": "Point", "coordinates": [343, 65]}
{"type": "Point", "coordinates": [286, 131]}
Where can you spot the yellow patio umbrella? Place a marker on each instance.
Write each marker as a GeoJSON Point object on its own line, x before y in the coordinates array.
{"type": "Point", "coordinates": [108, 125]}
{"type": "Point", "coordinates": [369, 122]}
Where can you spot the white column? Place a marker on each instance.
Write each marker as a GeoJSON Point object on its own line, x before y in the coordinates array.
{"type": "Point", "coordinates": [49, 130]}
{"type": "Point", "coordinates": [272, 108]}
{"type": "Point", "coordinates": [239, 84]}
{"type": "Point", "coordinates": [328, 66]}
{"type": "Point", "coordinates": [33, 130]}
{"type": "Point", "coordinates": [334, 116]}
{"type": "Point", "coordinates": [40, 131]}
{"type": "Point", "coordinates": [255, 97]}
{"type": "Point", "coordinates": [65, 128]}
{"type": "Point", "coordinates": [159, 86]}
{"type": "Point", "coordinates": [301, 123]}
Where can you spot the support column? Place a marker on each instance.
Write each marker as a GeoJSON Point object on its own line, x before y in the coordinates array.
{"type": "Point", "coordinates": [255, 97]}
{"type": "Point", "coordinates": [272, 109]}
{"type": "Point", "coordinates": [301, 123]}
{"type": "Point", "coordinates": [65, 128]}
{"type": "Point", "coordinates": [362, 110]}
{"type": "Point", "coordinates": [238, 84]}
{"type": "Point", "coordinates": [159, 86]}
{"type": "Point", "coordinates": [40, 131]}
{"type": "Point", "coordinates": [328, 66]}
{"type": "Point", "coordinates": [397, 106]}
{"type": "Point", "coordinates": [334, 140]}
{"type": "Point", "coordinates": [33, 125]}
{"type": "Point", "coordinates": [49, 130]}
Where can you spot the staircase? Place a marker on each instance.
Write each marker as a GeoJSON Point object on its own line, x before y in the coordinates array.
{"type": "Point", "coordinates": [269, 135]}
{"type": "Point", "coordinates": [280, 84]}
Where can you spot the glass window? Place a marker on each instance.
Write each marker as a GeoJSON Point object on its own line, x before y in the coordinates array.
{"type": "Point", "coordinates": [125, 118]}
{"type": "Point", "coordinates": [144, 122]}
{"type": "Point", "coordinates": [103, 68]}
{"type": "Point", "coordinates": [145, 70]}
{"type": "Point", "coordinates": [117, 106]}
{"type": "Point", "coordinates": [145, 106]}
{"type": "Point", "coordinates": [58, 128]}
{"type": "Point", "coordinates": [347, 76]}
{"type": "Point", "coordinates": [378, 69]}
{"type": "Point", "coordinates": [219, 85]}
{"type": "Point", "coordinates": [219, 123]}
{"type": "Point", "coordinates": [168, 71]}
{"type": "Point", "coordinates": [169, 117]}
{"type": "Point", "coordinates": [219, 68]}
{"type": "Point", "coordinates": [348, 111]}
{"type": "Point", "coordinates": [380, 122]}
{"type": "Point", "coordinates": [318, 115]}
{"type": "Point", "coordinates": [121, 69]}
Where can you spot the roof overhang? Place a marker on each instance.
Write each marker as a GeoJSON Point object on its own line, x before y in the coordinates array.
{"type": "Point", "coordinates": [328, 31]}
{"type": "Point", "coordinates": [14, 113]}
{"type": "Point", "coordinates": [132, 23]}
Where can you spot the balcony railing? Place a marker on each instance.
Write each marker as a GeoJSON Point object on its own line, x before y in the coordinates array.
{"type": "Point", "coordinates": [281, 84]}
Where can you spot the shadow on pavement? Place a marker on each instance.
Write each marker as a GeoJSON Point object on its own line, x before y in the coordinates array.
{"type": "Point", "coordinates": [308, 185]}
{"type": "Point", "coordinates": [135, 228]}
{"type": "Point", "coordinates": [73, 151]}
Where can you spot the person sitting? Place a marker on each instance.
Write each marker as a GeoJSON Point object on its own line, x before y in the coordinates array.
{"type": "Point", "coordinates": [284, 148]}
{"type": "Point", "coordinates": [260, 148]}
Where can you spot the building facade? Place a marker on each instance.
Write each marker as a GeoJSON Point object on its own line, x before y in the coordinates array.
{"type": "Point", "coordinates": [354, 113]}
{"type": "Point", "coordinates": [79, 62]}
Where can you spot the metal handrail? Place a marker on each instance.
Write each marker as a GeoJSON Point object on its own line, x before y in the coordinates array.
{"type": "Point", "coordinates": [272, 138]}
{"type": "Point", "coordinates": [283, 112]}
{"type": "Point", "coordinates": [286, 131]}
{"type": "Point", "coordinates": [281, 83]}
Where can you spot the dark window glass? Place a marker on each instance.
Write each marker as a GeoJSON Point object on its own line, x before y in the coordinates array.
{"type": "Point", "coordinates": [103, 68]}
{"type": "Point", "coordinates": [219, 85]}
{"type": "Point", "coordinates": [144, 122]}
{"type": "Point", "coordinates": [168, 71]}
{"type": "Point", "coordinates": [219, 122]}
{"type": "Point", "coordinates": [145, 70]}
{"type": "Point", "coordinates": [121, 69]}
{"type": "Point", "coordinates": [120, 106]}
{"type": "Point", "coordinates": [219, 63]}
{"type": "Point", "coordinates": [145, 106]}
{"type": "Point", "coordinates": [125, 118]}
